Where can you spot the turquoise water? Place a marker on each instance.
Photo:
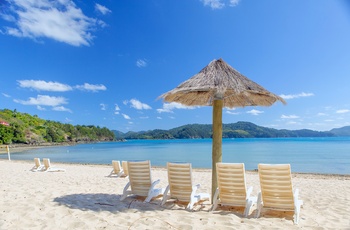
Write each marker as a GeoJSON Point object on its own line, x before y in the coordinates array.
{"type": "Point", "coordinates": [309, 155]}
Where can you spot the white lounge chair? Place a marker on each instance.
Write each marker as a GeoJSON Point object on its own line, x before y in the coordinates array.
{"type": "Point", "coordinates": [277, 190]}
{"type": "Point", "coordinates": [117, 169]}
{"type": "Point", "coordinates": [181, 186]}
{"type": "Point", "coordinates": [49, 168]}
{"type": "Point", "coordinates": [232, 189]}
{"type": "Point", "coordinates": [125, 168]}
{"type": "Point", "coordinates": [37, 165]}
{"type": "Point", "coordinates": [140, 181]}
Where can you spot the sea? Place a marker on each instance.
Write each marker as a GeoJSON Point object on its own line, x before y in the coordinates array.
{"type": "Point", "coordinates": [326, 155]}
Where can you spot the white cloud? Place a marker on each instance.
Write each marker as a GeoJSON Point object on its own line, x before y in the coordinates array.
{"type": "Point", "coordinates": [214, 4]}
{"type": "Point", "coordinates": [5, 95]}
{"type": "Point", "coordinates": [293, 96]}
{"type": "Point", "coordinates": [40, 108]}
{"type": "Point", "coordinates": [255, 112]}
{"type": "Point", "coordinates": [159, 118]}
{"type": "Point", "coordinates": [169, 107]}
{"type": "Point", "coordinates": [219, 4]}
{"type": "Point", "coordinates": [90, 87]}
{"type": "Point", "coordinates": [116, 109]}
{"type": "Point", "coordinates": [321, 114]}
{"type": "Point", "coordinates": [289, 116]}
{"type": "Point", "coordinates": [103, 106]}
{"type": "Point", "coordinates": [44, 100]}
{"type": "Point", "coordinates": [59, 20]}
{"type": "Point", "coordinates": [44, 85]}
{"type": "Point", "coordinates": [126, 116]}
{"type": "Point", "coordinates": [343, 111]}
{"type": "Point", "coordinates": [67, 120]}
{"type": "Point", "coordinates": [234, 2]}
{"type": "Point", "coordinates": [232, 113]}
{"type": "Point", "coordinates": [102, 9]}
{"type": "Point", "coordinates": [61, 109]}
{"type": "Point", "coordinates": [141, 63]}
{"type": "Point", "coordinates": [138, 104]}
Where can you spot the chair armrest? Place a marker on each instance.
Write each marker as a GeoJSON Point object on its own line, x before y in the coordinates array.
{"type": "Point", "coordinates": [296, 195]}
{"type": "Point", "coordinates": [126, 187]}
{"type": "Point", "coordinates": [195, 187]}
{"type": "Point", "coordinates": [154, 183]}
{"type": "Point", "coordinates": [194, 190]}
{"type": "Point", "coordinates": [249, 191]}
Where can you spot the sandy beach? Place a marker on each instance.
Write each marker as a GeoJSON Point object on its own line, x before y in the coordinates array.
{"type": "Point", "coordinates": [84, 197]}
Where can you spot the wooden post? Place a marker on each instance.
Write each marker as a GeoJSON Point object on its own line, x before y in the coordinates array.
{"type": "Point", "coordinates": [217, 142]}
{"type": "Point", "coordinates": [8, 152]}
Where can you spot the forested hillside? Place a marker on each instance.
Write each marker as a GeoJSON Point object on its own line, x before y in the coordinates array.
{"type": "Point", "coordinates": [16, 127]}
{"type": "Point", "coordinates": [234, 130]}
{"type": "Point", "coordinates": [342, 132]}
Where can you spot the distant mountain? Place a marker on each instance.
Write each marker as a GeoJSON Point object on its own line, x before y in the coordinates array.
{"type": "Point", "coordinates": [234, 130]}
{"type": "Point", "coordinates": [341, 132]}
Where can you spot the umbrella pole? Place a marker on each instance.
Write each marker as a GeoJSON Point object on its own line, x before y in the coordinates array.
{"type": "Point", "coordinates": [217, 142]}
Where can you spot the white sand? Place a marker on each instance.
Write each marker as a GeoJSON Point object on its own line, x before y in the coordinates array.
{"type": "Point", "coordinates": [84, 197]}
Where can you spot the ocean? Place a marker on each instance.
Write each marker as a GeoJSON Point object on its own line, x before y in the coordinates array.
{"type": "Point", "coordinates": [329, 155]}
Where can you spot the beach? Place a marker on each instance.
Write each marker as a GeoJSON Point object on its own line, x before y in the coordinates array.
{"type": "Point", "coordinates": [85, 197]}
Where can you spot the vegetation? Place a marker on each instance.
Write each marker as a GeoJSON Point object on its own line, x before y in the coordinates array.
{"type": "Point", "coordinates": [18, 128]}
{"type": "Point", "coordinates": [344, 131]}
{"type": "Point", "coordinates": [235, 130]}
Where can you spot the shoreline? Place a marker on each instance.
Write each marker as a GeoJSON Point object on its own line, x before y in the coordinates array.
{"type": "Point", "coordinates": [320, 175]}
{"type": "Point", "coordinates": [18, 148]}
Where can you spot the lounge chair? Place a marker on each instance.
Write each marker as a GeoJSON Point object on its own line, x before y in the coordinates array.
{"type": "Point", "coordinates": [49, 168]}
{"type": "Point", "coordinates": [232, 189]}
{"type": "Point", "coordinates": [140, 181]}
{"type": "Point", "coordinates": [37, 165]}
{"type": "Point", "coordinates": [117, 169]}
{"type": "Point", "coordinates": [125, 168]}
{"type": "Point", "coordinates": [277, 190]}
{"type": "Point", "coordinates": [181, 186]}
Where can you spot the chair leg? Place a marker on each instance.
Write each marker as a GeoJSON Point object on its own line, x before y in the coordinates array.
{"type": "Point", "coordinates": [247, 208]}
{"type": "Point", "coordinates": [165, 195]}
{"type": "Point", "coordinates": [259, 206]}
{"type": "Point", "coordinates": [125, 192]}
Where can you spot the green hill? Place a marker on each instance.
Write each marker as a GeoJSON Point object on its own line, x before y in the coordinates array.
{"type": "Point", "coordinates": [234, 130]}
{"type": "Point", "coordinates": [344, 131]}
{"type": "Point", "coordinates": [17, 128]}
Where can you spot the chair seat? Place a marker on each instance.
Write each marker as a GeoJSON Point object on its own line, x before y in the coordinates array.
{"type": "Point", "coordinates": [140, 181]}
{"type": "Point", "coordinates": [232, 189]}
{"type": "Point", "coordinates": [277, 190]}
{"type": "Point", "coordinates": [181, 186]}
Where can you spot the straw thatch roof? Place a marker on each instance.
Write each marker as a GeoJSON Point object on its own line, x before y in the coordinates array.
{"type": "Point", "coordinates": [219, 80]}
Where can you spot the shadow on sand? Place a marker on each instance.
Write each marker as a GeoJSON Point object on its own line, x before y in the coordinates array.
{"type": "Point", "coordinates": [106, 202]}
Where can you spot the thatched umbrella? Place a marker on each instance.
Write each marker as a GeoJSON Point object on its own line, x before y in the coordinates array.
{"type": "Point", "coordinates": [219, 85]}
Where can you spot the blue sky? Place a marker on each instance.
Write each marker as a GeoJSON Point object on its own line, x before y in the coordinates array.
{"type": "Point", "coordinates": [106, 62]}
